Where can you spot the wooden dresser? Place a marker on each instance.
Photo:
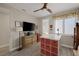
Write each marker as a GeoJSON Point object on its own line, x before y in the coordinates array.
{"type": "Point", "coordinates": [28, 40]}
{"type": "Point", "coordinates": [50, 45]}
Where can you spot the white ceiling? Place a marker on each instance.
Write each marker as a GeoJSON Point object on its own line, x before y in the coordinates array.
{"type": "Point", "coordinates": [55, 7]}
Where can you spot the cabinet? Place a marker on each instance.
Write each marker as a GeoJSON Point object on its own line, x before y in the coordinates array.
{"type": "Point", "coordinates": [49, 47]}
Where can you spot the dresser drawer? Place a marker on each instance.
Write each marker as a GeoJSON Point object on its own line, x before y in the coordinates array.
{"type": "Point", "coordinates": [53, 54]}
{"type": "Point", "coordinates": [54, 50]}
{"type": "Point", "coordinates": [47, 48]}
{"type": "Point", "coordinates": [54, 43]}
{"type": "Point", "coordinates": [47, 53]}
{"type": "Point", "coordinates": [48, 41]}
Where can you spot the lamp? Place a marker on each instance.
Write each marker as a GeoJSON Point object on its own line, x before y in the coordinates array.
{"type": "Point", "coordinates": [58, 30]}
{"type": "Point", "coordinates": [19, 29]}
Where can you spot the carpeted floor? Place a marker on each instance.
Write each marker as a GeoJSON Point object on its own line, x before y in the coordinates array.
{"type": "Point", "coordinates": [34, 50]}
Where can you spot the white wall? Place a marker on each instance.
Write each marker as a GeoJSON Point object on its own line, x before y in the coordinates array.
{"type": "Point", "coordinates": [45, 26]}
{"type": "Point", "coordinates": [19, 16]}
{"type": "Point", "coordinates": [4, 27]}
{"type": "Point", "coordinates": [67, 41]}
{"type": "Point", "coordinates": [16, 15]}
{"type": "Point", "coordinates": [39, 26]}
{"type": "Point", "coordinates": [50, 22]}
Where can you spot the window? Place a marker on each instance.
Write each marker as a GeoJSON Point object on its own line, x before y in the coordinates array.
{"type": "Point", "coordinates": [69, 25]}
{"type": "Point", "coordinates": [59, 26]}
{"type": "Point", "coordinates": [65, 26]}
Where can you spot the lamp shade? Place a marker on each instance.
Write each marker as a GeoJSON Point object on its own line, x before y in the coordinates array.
{"type": "Point", "coordinates": [19, 29]}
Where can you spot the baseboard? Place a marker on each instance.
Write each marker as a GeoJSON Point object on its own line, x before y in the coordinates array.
{"type": "Point", "coordinates": [15, 48]}
{"type": "Point", "coordinates": [66, 46]}
{"type": "Point", "coordinates": [5, 45]}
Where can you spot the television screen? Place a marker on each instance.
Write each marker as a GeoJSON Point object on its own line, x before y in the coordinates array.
{"type": "Point", "coordinates": [28, 26]}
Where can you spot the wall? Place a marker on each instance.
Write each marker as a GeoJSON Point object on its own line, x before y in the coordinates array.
{"type": "Point", "coordinates": [67, 41]}
{"type": "Point", "coordinates": [4, 27]}
{"type": "Point", "coordinates": [51, 22]}
{"type": "Point", "coordinates": [16, 15]}
{"type": "Point", "coordinates": [39, 26]}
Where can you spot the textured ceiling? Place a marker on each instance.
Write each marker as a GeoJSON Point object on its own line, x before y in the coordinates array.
{"type": "Point", "coordinates": [55, 7]}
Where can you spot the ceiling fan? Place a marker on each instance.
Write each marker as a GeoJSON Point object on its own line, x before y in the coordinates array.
{"type": "Point", "coordinates": [44, 7]}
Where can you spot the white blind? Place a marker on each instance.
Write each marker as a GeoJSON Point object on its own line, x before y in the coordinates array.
{"type": "Point", "coordinates": [65, 26]}
{"type": "Point", "coordinates": [69, 25]}
{"type": "Point", "coordinates": [59, 25]}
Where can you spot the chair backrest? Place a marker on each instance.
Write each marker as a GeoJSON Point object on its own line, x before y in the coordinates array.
{"type": "Point", "coordinates": [76, 36]}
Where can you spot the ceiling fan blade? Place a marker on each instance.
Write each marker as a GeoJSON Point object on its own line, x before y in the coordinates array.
{"type": "Point", "coordinates": [37, 10]}
{"type": "Point", "coordinates": [49, 10]}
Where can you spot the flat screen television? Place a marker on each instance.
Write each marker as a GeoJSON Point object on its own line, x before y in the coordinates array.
{"type": "Point", "coordinates": [28, 26]}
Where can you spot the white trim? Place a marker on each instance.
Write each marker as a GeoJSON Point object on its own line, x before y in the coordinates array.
{"type": "Point", "coordinates": [5, 45]}
{"type": "Point", "coordinates": [66, 46]}
{"type": "Point", "coordinates": [14, 48]}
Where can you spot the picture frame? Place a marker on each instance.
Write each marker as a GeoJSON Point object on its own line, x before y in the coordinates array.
{"type": "Point", "coordinates": [50, 26]}
{"type": "Point", "coordinates": [17, 24]}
